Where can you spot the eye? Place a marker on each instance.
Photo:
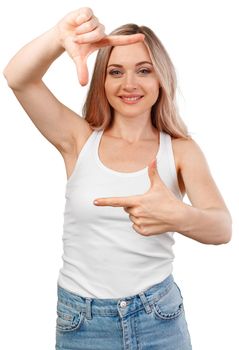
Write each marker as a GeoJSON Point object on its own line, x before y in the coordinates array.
{"type": "Point", "coordinates": [144, 71]}
{"type": "Point", "coordinates": [115, 72]}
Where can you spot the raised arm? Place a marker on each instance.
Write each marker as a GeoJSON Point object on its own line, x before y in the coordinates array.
{"type": "Point", "coordinates": [24, 73]}
{"type": "Point", "coordinates": [79, 33]}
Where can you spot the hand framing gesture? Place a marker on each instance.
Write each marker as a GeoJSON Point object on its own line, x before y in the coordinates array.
{"type": "Point", "coordinates": [81, 33]}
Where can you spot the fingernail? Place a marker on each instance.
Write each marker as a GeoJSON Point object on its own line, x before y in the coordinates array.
{"type": "Point", "coordinates": [96, 202]}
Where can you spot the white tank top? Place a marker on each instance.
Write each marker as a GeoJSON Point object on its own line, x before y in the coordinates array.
{"type": "Point", "coordinates": [104, 257]}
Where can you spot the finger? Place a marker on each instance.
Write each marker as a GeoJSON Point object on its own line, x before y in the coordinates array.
{"type": "Point", "coordinates": [118, 40]}
{"type": "Point", "coordinates": [79, 16]}
{"type": "Point", "coordinates": [85, 14]}
{"type": "Point", "coordinates": [152, 170]}
{"type": "Point", "coordinates": [152, 230]}
{"type": "Point", "coordinates": [82, 70]}
{"type": "Point", "coordinates": [135, 220]}
{"type": "Point", "coordinates": [139, 230]}
{"type": "Point", "coordinates": [135, 211]}
{"type": "Point", "coordinates": [154, 177]}
{"type": "Point", "coordinates": [91, 37]}
{"type": "Point", "coordinates": [88, 26]}
{"type": "Point", "coordinates": [116, 201]}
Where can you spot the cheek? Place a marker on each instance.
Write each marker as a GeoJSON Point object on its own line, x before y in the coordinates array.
{"type": "Point", "coordinates": [107, 90]}
{"type": "Point", "coordinates": [153, 87]}
{"type": "Point", "coordinates": [108, 86]}
{"type": "Point", "coordinates": [156, 95]}
{"type": "Point", "coordinates": [111, 89]}
{"type": "Point", "coordinates": [109, 93]}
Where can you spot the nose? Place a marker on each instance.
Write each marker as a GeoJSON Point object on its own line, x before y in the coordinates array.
{"type": "Point", "coordinates": [130, 81]}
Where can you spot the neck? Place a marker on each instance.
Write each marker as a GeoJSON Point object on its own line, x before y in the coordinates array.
{"type": "Point", "coordinates": [133, 130]}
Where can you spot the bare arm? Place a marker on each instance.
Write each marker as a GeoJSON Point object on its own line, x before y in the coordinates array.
{"type": "Point", "coordinates": [59, 124]}
{"type": "Point", "coordinates": [30, 64]}
{"type": "Point", "coordinates": [79, 33]}
{"type": "Point", "coordinates": [208, 219]}
{"type": "Point", "coordinates": [158, 210]}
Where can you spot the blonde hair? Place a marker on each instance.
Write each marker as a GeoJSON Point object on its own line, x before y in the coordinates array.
{"type": "Point", "coordinates": [164, 113]}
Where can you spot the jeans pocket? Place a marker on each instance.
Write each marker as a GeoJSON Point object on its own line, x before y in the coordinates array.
{"type": "Point", "coordinates": [68, 319]}
{"type": "Point", "coordinates": [169, 306]}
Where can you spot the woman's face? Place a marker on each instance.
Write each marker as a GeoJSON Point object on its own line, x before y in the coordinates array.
{"type": "Point", "coordinates": [131, 84]}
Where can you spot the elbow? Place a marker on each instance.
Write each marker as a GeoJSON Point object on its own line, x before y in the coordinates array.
{"type": "Point", "coordinates": [226, 238]}
{"type": "Point", "coordinates": [223, 240]}
{"type": "Point", "coordinates": [226, 233]}
{"type": "Point", "coordinates": [6, 76]}
{"type": "Point", "coordinates": [221, 232]}
{"type": "Point", "coordinates": [13, 83]}
{"type": "Point", "coordinates": [5, 72]}
{"type": "Point", "coordinates": [10, 81]}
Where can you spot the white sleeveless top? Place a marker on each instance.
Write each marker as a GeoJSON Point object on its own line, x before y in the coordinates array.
{"type": "Point", "coordinates": [104, 257]}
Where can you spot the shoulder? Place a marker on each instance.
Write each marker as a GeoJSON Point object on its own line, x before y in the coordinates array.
{"type": "Point", "coordinates": [186, 151]}
{"type": "Point", "coordinates": [196, 175]}
{"type": "Point", "coordinates": [190, 162]}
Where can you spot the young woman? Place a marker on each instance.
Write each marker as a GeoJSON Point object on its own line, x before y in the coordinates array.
{"type": "Point", "coordinates": [129, 162]}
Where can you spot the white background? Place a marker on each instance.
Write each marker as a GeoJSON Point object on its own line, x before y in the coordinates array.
{"type": "Point", "coordinates": [201, 39]}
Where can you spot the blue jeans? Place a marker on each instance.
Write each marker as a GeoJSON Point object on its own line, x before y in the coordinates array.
{"type": "Point", "coordinates": [151, 320]}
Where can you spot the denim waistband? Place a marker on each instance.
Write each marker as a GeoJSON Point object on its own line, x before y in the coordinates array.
{"type": "Point", "coordinates": [112, 307]}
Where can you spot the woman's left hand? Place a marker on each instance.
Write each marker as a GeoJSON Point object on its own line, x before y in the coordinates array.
{"type": "Point", "coordinates": [156, 211]}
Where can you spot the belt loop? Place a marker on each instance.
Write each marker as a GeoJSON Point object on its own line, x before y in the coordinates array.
{"type": "Point", "coordinates": [88, 308]}
{"type": "Point", "coordinates": [145, 302]}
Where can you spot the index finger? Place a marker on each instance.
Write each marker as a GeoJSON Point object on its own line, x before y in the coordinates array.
{"type": "Point", "coordinates": [82, 70]}
{"type": "Point", "coordinates": [119, 40]}
{"type": "Point", "coordinates": [116, 201]}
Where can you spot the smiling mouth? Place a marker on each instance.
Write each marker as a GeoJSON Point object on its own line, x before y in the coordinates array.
{"type": "Point", "coordinates": [131, 99]}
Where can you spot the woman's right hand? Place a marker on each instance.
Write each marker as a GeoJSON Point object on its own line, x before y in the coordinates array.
{"type": "Point", "coordinates": [80, 33]}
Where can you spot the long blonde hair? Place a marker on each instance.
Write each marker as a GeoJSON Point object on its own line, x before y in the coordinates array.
{"type": "Point", "coordinates": [164, 113]}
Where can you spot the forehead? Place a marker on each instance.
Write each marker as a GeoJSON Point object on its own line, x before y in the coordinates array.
{"type": "Point", "coordinates": [129, 54]}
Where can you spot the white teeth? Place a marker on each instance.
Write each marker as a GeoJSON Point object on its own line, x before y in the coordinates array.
{"type": "Point", "coordinates": [131, 98]}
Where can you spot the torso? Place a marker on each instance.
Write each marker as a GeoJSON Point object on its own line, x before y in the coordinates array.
{"type": "Point", "coordinates": [122, 156]}
{"type": "Point", "coordinates": [119, 155]}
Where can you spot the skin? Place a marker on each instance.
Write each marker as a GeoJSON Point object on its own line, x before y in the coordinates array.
{"type": "Point", "coordinates": [128, 77]}
{"type": "Point", "coordinates": [159, 210]}
{"type": "Point", "coordinates": [130, 73]}
{"type": "Point", "coordinates": [153, 212]}
{"type": "Point", "coordinates": [80, 33]}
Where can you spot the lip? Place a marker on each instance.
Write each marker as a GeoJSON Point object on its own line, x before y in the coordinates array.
{"type": "Point", "coordinates": [131, 99]}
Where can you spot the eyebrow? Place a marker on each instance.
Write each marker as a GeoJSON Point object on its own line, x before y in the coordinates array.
{"type": "Point", "coordinates": [137, 64]}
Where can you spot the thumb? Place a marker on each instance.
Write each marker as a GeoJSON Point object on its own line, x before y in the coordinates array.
{"type": "Point", "coordinates": [82, 70]}
{"type": "Point", "coordinates": [154, 177]}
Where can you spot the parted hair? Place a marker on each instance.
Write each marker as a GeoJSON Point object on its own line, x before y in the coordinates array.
{"type": "Point", "coordinates": [164, 113]}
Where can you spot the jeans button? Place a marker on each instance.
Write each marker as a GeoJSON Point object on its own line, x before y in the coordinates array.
{"type": "Point", "coordinates": [123, 304]}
